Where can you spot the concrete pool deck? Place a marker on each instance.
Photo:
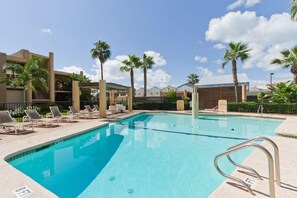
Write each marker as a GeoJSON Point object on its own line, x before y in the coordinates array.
{"type": "Point", "coordinates": [11, 179]}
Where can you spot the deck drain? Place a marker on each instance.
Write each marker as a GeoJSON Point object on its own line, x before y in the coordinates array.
{"type": "Point", "coordinates": [130, 191]}
{"type": "Point", "coordinates": [22, 191]}
{"type": "Point", "coordinates": [111, 178]}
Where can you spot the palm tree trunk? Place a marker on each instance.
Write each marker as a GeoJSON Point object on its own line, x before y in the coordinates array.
{"type": "Point", "coordinates": [144, 82]}
{"type": "Point", "coordinates": [101, 70]}
{"type": "Point", "coordinates": [132, 81]}
{"type": "Point", "coordinates": [294, 72]}
{"type": "Point", "coordinates": [193, 88]}
{"type": "Point", "coordinates": [235, 80]}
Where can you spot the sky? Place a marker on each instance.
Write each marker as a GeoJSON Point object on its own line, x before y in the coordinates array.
{"type": "Point", "coordinates": [183, 36]}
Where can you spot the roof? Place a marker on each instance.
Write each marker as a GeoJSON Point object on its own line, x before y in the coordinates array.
{"type": "Point", "coordinates": [109, 86]}
{"type": "Point", "coordinates": [185, 84]}
{"type": "Point", "coordinates": [222, 80]}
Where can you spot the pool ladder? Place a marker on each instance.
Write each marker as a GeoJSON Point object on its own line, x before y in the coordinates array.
{"type": "Point", "coordinates": [273, 165]}
{"type": "Point", "coordinates": [260, 110]}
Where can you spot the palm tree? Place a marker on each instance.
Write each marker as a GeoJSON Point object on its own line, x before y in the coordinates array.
{"type": "Point", "coordinates": [146, 63]}
{"type": "Point", "coordinates": [293, 7]}
{"type": "Point", "coordinates": [102, 52]}
{"type": "Point", "coordinates": [129, 65]}
{"type": "Point", "coordinates": [289, 59]}
{"type": "Point", "coordinates": [13, 67]}
{"type": "Point", "coordinates": [236, 51]}
{"type": "Point", "coordinates": [31, 76]}
{"type": "Point", "coordinates": [193, 79]}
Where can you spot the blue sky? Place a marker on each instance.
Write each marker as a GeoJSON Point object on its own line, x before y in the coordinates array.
{"type": "Point", "coordinates": [173, 31]}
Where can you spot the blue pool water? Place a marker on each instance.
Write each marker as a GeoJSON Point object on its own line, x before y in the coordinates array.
{"type": "Point", "coordinates": [149, 155]}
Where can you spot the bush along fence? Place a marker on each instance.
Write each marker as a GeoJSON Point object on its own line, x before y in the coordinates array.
{"type": "Point", "coordinates": [281, 108]}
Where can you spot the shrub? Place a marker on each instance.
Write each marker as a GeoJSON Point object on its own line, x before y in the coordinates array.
{"type": "Point", "coordinates": [157, 106]}
{"type": "Point", "coordinates": [281, 108]}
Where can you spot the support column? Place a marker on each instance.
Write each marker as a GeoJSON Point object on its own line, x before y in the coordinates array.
{"type": "Point", "coordinates": [75, 94]}
{"type": "Point", "coordinates": [3, 91]}
{"type": "Point", "coordinates": [28, 56]}
{"type": "Point", "coordinates": [195, 104]}
{"type": "Point", "coordinates": [102, 98]}
{"type": "Point", "coordinates": [243, 93]}
{"type": "Point", "coordinates": [51, 77]}
{"type": "Point", "coordinates": [130, 100]}
{"type": "Point", "coordinates": [111, 97]}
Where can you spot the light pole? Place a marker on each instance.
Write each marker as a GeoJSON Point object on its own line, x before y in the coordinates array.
{"type": "Point", "coordinates": [271, 74]}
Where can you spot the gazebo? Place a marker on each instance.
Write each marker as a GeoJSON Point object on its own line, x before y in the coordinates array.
{"type": "Point", "coordinates": [103, 86]}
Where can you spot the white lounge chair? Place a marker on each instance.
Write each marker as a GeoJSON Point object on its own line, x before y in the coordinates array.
{"type": "Point", "coordinates": [35, 118]}
{"type": "Point", "coordinates": [6, 122]}
{"type": "Point", "coordinates": [79, 114]}
{"type": "Point", "coordinates": [91, 111]}
{"type": "Point", "coordinates": [55, 113]}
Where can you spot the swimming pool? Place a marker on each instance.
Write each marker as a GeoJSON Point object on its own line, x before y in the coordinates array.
{"type": "Point", "coordinates": [149, 155]}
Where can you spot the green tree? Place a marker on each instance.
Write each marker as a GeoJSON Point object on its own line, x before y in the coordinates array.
{"type": "Point", "coordinates": [236, 51]}
{"type": "Point", "coordinates": [13, 67]}
{"type": "Point", "coordinates": [129, 65]}
{"type": "Point", "coordinates": [293, 7]}
{"type": "Point", "coordinates": [86, 93]}
{"type": "Point", "coordinates": [146, 63]}
{"type": "Point", "coordinates": [32, 76]}
{"type": "Point", "coordinates": [171, 96]}
{"type": "Point", "coordinates": [193, 79]}
{"type": "Point", "coordinates": [282, 93]}
{"type": "Point", "coordinates": [102, 52]}
{"type": "Point", "coordinates": [289, 59]}
{"type": "Point", "coordinates": [260, 96]}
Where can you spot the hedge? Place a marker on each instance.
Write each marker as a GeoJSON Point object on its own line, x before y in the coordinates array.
{"type": "Point", "coordinates": [281, 108]}
{"type": "Point", "coordinates": [156, 106]}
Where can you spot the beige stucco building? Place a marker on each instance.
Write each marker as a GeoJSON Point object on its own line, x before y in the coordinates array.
{"type": "Point", "coordinates": [10, 94]}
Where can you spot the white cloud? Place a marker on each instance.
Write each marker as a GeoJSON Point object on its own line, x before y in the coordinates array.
{"type": "Point", "coordinates": [46, 30]}
{"type": "Point", "coordinates": [245, 3]}
{"type": "Point", "coordinates": [204, 71]}
{"type": "Point", "coordinates": [265, 36]}
{"type": "Point", "coordinates": [112, 73]}
{"type": "Point", "coordinates": [219, 61]}
{"type": "Point", "coordinates": [159, 78]}
{"type": "Point", "coordinates": [221, 71]}
{"type": "Point", "coordinates": [219, 46]}
{"type": "Point", "coordinates": [77, 70]}
{"type": "Point", "coordinates": [158, 59]}
{"type": "Point", "coordinates": [200, 59]}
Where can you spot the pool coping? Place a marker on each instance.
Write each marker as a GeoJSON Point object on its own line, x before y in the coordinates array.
{"type": "Point", "coordinates": [11, 148]}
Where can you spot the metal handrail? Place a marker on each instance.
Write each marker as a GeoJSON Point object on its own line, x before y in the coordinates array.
{"type": "Point", "coordinates": [276, 158]}
{"type": "Point", "coordinates": [260, 108]}
{"type": "Point", "coordinates": [270, 168]}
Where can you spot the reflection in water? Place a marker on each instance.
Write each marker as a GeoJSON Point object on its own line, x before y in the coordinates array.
{"type": "Point", "coordinates": [59, 167]}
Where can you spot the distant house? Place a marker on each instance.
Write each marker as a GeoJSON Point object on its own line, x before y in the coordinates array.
{"type": "Point", "coordinates": [221, 87]}
{"type": "Point", "coordinates": [153, 92]}
{"type": "Point", "coordinates": [185, 87]}
{"type": "Point", "coordinates": [139, 92]}
{"type": "Point", "coordinates": [165, 90]}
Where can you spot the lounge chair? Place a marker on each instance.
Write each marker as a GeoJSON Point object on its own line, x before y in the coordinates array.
{"type": "Point", "coordinates": [96, 108]}
{"type": "Point", "coordinates": [35, 118]}
{"type": "Point", "coordinates": [91, 111]}
{"type": "Point", "coordinates": [6, 122]}
{"type": "Point", "coordinates": [55, 113]}
{"type": "Point", "coordinates": [79, 114]}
